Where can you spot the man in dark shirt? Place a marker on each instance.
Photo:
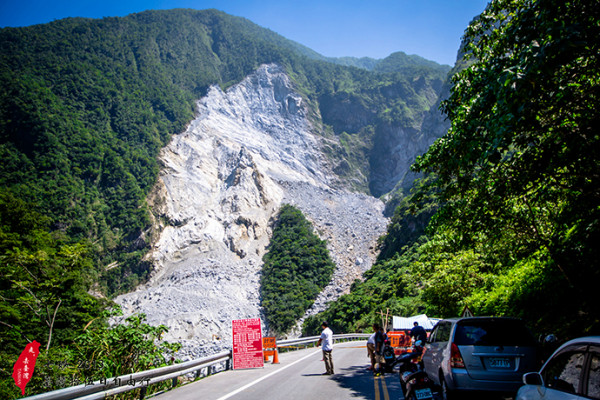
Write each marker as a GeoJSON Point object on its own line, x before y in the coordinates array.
{"type": "Point", "coordinates": [418, 332]}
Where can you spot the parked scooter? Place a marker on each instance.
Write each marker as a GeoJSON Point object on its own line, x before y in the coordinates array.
{"type": "Point", "coordinates": [415, 383]}
{"type": "Point", "coordinates": [388, 356]}
{"type": "Point", "coordinates": [418, 386]}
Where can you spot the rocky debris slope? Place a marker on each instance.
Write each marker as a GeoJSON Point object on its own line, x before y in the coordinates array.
{"type": "Point", "coordinates": [249, 150]}
{"type": "Point", "coordinates": [351, 224]}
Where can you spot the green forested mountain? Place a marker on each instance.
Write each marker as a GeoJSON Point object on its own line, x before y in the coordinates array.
{"type": "Point", "coordinates": [85, 107]}
{"type": "Point", "coordinates": [513, 187]}
{"type": "Point", "coordinates": [396, 62]}
{"type": "Point", "coordinates": [511, 191]}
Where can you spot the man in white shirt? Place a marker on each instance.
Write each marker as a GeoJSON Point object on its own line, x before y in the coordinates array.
{"type": "Point", "coordinates": [371, 351]}
{"type": "Point", "coordinates": [327, 340]}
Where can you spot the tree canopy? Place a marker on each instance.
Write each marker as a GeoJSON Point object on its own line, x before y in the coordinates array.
{"type": "Point", "coordinates": [519, 171]}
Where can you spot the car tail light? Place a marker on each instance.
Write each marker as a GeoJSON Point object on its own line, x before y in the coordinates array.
{"type": "Point", "coordinates": [456, 360]}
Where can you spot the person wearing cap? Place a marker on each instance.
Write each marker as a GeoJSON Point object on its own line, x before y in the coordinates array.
{"type": "Point", "coordinates": [327, 340]}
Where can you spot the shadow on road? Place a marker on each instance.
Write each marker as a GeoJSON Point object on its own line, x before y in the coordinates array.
{"type": "Point", "coordinates": [362, 383]}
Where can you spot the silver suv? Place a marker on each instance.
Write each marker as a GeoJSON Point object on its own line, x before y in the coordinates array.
{"type": "Point", "coordinates": [479, 354]}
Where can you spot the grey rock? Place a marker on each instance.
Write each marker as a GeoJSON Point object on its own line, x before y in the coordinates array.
{"type": "Point", "coordinates": [249, 150]}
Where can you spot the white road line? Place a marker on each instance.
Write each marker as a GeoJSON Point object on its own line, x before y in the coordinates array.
{"type": "Point", "coordinates": [265, 377]}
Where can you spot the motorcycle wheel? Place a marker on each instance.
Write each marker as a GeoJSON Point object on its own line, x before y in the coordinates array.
{"type": "Point", "coordinates": [446, 394]}
{"type": "Point", "coordinates": [402, 385]}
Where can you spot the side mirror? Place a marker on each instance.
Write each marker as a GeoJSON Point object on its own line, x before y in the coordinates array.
{"type": "Point", "coordinates": [533, 378]}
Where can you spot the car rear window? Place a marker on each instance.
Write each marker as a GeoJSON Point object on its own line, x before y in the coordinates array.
{"type": "Point", "coordinates": [493, 332]}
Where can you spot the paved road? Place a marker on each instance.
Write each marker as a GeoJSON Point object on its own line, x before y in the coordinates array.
{"type": "Point", "coordinates": [297, 376]}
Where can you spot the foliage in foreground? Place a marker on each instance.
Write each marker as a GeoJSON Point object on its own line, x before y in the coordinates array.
{"type": "Point", "coordinates": [516, 179]}
{"type": "Point", "coordinates": [296, 268]}
{"type": "Point", "coordinates": [44, 281]}
{"type": "Point", "coordinates": [98, 353]}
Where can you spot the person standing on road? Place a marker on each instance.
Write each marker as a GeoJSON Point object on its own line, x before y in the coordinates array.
{"type": "Point", "coordinates": [327, 340]}
{"type": "Point", "coordinates": [378, 349]}
{"type": "Point", "coordinates": [371, 351]}
{"type": "Point", "coordinates": [418, 332]}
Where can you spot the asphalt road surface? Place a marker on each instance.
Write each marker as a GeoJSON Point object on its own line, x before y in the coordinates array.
{"type": "Point", "coordinates": [298, 376]}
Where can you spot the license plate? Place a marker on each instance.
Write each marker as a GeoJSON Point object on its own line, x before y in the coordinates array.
{"type": "Point", "coordinates": [499, 363]}
{"type": "Point", "coordinates": [423, 394]}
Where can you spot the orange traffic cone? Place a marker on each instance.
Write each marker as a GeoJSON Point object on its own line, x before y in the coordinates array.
{"type": "Point", "coordinates": [276, 356]}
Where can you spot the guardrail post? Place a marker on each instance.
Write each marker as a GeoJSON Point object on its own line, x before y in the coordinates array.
{"type": "Point", "coordinates": [143, 392]}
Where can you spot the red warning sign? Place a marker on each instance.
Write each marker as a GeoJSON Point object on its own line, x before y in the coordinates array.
{"type": "Point", "coordinates": [247, 344]}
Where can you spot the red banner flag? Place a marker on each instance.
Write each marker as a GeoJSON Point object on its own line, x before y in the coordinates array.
{"type": "Point", "coordinates": [23, 369]}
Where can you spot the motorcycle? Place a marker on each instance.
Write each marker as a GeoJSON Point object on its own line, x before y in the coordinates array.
{"type": "Point", "coordinates": [388, 356]}
{"type": "Point", "coordinates": [417, 386]}
{"type": "Point", "coordinates": [414, 381]}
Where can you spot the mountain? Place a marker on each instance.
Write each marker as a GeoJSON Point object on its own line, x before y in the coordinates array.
{"type": "Point", "coordinates": [164, 142]}
{"type": "Point", "coordinates": [401, 62]}
{"type": "Point", "coordinates": [249, 151]}
{"type": "Point", "coordinates": [395, 62]}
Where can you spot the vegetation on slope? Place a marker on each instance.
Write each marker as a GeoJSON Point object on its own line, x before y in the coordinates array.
{"type": "Point", "coordinates": [296, 268]}
{"type": "Point", "coordinates": [44, 289]}
{"type": "Point", "coordinates": [515, 182]}
{"type": "Point", "coordinates": [387, 285]}
{"type": "Point", "coordinates": [85, 107]}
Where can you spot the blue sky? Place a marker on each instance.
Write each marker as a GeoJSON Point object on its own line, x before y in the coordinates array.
{"type": "Point", "coordinates": [334, 28]}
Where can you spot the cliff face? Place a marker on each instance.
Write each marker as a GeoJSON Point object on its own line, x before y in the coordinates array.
{"type": "Point", "coordinates": [396, 149]}
{"type": "Point", "coordinates": [249, 150]}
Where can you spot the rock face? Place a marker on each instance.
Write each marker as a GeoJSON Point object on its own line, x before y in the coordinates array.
{"type": "Point", "coordinates": [249, 150]}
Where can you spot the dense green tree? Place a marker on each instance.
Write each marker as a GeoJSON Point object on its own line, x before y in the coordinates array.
{"type": "Point", "coordinates": [296, 268]}
{"type": "Point", "coordinates": [518, 170]}
{"type": "Point", "coordinates": [98, 353]}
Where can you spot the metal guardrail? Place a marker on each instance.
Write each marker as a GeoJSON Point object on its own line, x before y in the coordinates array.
{"type": "Point", "coordinates": [312, 339]}
{"type": "Point", "coordinates": [125, 383]}
{"type": "Point", "coordinates": [112, 386]}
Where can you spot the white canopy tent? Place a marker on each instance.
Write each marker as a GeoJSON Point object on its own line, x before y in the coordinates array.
{"type": "Point", "coordinates": [407, 323]}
